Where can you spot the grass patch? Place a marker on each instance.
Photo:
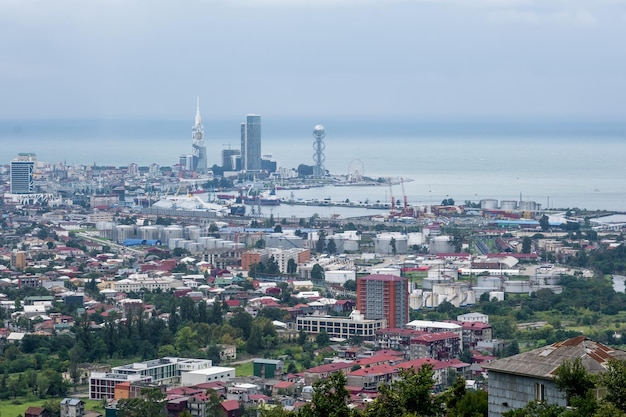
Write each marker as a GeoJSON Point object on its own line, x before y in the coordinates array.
{"type": "Point", "coordinates": [245, 369]}
{"type": "Point", "coordinates": [17, 407]}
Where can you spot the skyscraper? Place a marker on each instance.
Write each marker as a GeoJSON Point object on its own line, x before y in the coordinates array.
{"type": "Point", "coordinates": [199, 161]}
{"type": "Point", "coordinates": [251, 143]}
{"type": "Point", "coordinates": [23, 173]}
{"type": "Point", "coordinates": [384, 296]}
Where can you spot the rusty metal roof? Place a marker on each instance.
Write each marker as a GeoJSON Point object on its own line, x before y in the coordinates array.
{"type": "Point", "coordinates": [543, 362]}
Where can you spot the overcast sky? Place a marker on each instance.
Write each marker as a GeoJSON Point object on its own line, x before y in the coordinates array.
{"type": "Point", "coordinates": [408, 59]}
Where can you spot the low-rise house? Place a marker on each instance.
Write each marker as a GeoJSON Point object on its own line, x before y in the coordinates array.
{"type": "Point", "coordinates": [517, 380]}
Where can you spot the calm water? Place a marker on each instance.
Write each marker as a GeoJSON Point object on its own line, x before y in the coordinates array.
{"type": "Point", "coordinates": [556, 164]}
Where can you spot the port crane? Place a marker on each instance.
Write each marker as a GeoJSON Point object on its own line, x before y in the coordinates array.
{"type": "Point", "coordinates": [406, 210]}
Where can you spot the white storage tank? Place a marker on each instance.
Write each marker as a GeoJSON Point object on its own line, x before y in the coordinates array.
{"type": "Point", "coordinates": [489, 282]}
{"type": "Point", "coordinates": [382, 243]}
{"type": "Point", "coordinates": [149, 232]}
{"type": "Point", "coordinates": [509, 205]}
{"type": "Point", "coordinates": [172, 232]}
{"type": "Point", "coordinates": [123, 232]}
{"type": "Point", "coordinates": [441, 244]}
{"type": "Point", "coordinates": [105, 225]}
{"type": "Point", "coordinates": [489, 204]}
{"type": "Point", "coordinates": [175, 242]}
{"type": "Point", "coordinates": [206, 241]}
{"type": "Point", "coordinates": [429, 283]}
{"type": "Point", "coordinates": [516, 287]}
{"type": "Point", "coordinates": [528, 206]}
{"type": "Point", "coordinates": [498, 295]}
{"type": "Point", "coordinates": [192, 232]}
{"type": "Point", "coordinates": [194, 247]}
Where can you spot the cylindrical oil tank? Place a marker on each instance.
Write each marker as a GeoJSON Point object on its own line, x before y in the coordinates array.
{"type": "Point", "coordinates": [508, 205]}
{"type": "Point", "coordinates": [489, 282]}
{"type": "Point", "coordinates": [149, 232]}
{"type": "Point", "coordinates": [205, 241]}
{"type": "Point", "coordinates": [192, 232]}
{"type": "Point", "coordinates": [194, 247]}
{"type": "Point", "coordinates": [428, 283]}
{"type": "Point", "coordinates": [527, 205]}
{"type": "Point", "coordinates": [498, 295]}
{"type": "Point", "coordinates": [175, 242]}
{"type": "Point", "coordinates": [516, 287]}
{"type": "Point", "coordinates": [441, 244]}
{"type": "Point", "coordinates": [172, 232]}
{"type": "Point", "coordinates": [489, 204]}
{"type": "Point", "coordinates": [123, 232]}
{"type": "Point", "coordinates": [105, 225]}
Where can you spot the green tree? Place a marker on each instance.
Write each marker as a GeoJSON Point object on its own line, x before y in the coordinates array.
{"type": "Point", "coordinates": [329, 398]}
{"type": "Point", "coordinates": [392, 244]}
{"type": "Point", "coordinates": [526, 245]}
{"type": "Point", "coordinates": [53, 407]}
{"type": "Point", "coordinates": [573, 379]}
{"type": "Point", "coordinates": [331, 246]}
{"type": "Point", "coordinates": [150, 404]}
{"type": "Point", "coordinates": [412, 393]}
{"type": "Point", "coordinates": [320, 245]}
{"type": "Point", "coordinates": [317, 273]}
{"type": "Point", "coordinates": [350, 285]}
{"type": "Point", "coordinates": [292, 266]}
{"type": "Point", "coordinates": [544, 223]}
{"type": "Point", "coordinates": [322, 339]}
{"type": "Point", "coordinates": [537, 409]}
{"type": "Point", "coordinates": [255, 342]}
{"type": "Point", "coordinates": [614, 379]}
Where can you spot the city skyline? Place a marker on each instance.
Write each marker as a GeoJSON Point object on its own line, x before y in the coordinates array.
{"type": "Point", "coordinates": [288, 59]}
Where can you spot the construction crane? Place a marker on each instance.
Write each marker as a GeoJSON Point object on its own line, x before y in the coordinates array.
{"type": "Point", "coordinates": [406, 210]}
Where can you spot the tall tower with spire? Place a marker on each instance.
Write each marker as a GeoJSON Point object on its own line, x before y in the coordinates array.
{"type": "Point", "coordinates": [199, 162]}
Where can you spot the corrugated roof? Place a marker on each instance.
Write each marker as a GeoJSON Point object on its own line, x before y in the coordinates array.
{"type": "Point", "coordinates": [543, 362]}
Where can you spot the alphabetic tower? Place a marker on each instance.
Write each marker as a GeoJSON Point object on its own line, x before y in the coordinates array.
{"type": "Point", "coordinates": [318, 157]}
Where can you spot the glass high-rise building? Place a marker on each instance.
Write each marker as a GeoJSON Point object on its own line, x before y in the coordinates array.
{"type": "Point", "coordinates": [251, 143]}
{"type": "Point", "coordinates": [23, 174]}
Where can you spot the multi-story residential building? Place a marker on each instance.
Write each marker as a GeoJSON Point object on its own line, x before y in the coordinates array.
{"type": "Point", "coordinates": [436, 326]}
{"type": "Point", "coordinates": [281, 256]}
{"type": "Point", "coordinates": [341, 327]}
{"type": "Point", "coordinates": [440, 346]}
{"type": "Point", "coordinates": [384, 297]}
{"type": "Point", "coordinates": [18, 259]}
{"type": "Point", "coordinates": [396, 339]}
{"type": "Point", "coordinates": [370, 378]}
{"type": "Point", "coordinates": [474, 332]}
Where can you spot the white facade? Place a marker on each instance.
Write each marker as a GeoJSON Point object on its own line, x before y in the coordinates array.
{"type": "Point", "coordinates": [339, 277]}
{"type": "Point", "coordinates": [212, 374]}
{"type": "Point", "coordinates": [473, 318]}
{"type": "Point", "coordinates": [138, 282]}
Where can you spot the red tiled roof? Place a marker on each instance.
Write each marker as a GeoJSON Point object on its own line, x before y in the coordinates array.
{"type": "Point", "coordinates": [330, 367]}
{"type": "Point", "coordinates": [230, 405]}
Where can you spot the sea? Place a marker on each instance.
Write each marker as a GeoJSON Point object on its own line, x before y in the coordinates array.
{"type": "Point", "coordinates": [558, 164]}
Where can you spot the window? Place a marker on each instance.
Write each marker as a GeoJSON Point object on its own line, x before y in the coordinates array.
{"type": "Point", "coordinates": [540, 392]}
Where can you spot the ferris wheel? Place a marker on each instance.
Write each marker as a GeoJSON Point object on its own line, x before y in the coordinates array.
{"type": "Point", "coordinates": [356, 170]}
